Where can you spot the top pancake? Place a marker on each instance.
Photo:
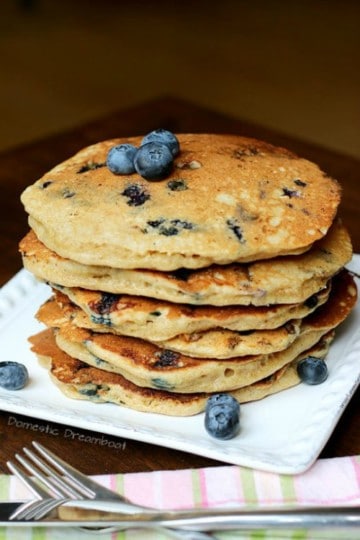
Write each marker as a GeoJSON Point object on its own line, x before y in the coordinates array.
{"type": "Point", "coordinates": [228, 199]}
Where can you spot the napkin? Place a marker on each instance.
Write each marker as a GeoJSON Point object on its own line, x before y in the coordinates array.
{"type": "Point", "coordinates": [328, 482]}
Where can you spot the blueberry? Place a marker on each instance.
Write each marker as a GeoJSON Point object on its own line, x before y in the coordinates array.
{"type": "Point", "coordinates": [106, 304]}
{"type": "Point", "coordinates": [166, 358]}
{"type": "Point", "coordinates": [89, 389]}
{"type": "Point", "coordinates": [90, 166]}
{"type": "Point", "coordinates": [312, 370]}
{"type": "Point", "coordinates": [221, 399]}
{"type": "Point", "coordinates": [222, 416]}
{"type": "Point", "coordinates": [163, 136]}
{"type": "Point", "coordinates": [13, 375]}
{"type": "Point", "coordinates": [177, 185]}
{"type": "Point", "coordinates": [290, 192]}
{"type": "Point", "coordinates": [312, 301]}
{"type": "Point", "coordinates": [120, 159]}
{"type": "Point", "coordinates": [46, 184]}
{"type": "Point", "coordinates": [153, 161]}
{"type": "Point", "coordinates": [136, 195]}
{"type": "Point", "coordinates": [236, 229]}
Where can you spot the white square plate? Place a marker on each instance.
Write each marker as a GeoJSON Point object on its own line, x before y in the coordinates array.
{"type": "Point", "coordinates": [283, 434]}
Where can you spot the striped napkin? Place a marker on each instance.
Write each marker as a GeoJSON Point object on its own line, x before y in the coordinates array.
{"type": "Point", "coordinates": [328, 482]}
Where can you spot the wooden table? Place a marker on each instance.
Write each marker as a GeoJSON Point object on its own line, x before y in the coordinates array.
{"type": "Point", "coordinates": [22, 166]}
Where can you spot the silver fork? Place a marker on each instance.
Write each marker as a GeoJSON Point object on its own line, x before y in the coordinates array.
{"type": "Point", "coordinates": [71, 484]}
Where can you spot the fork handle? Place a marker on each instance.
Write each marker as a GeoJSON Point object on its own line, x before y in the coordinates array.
{"type": "Point", "coordinates": [212, 520]}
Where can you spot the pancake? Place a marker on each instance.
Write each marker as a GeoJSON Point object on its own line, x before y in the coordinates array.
{"type": "Point", "coordinates": [158, 320]}
{"type": "Point", "coordinates": [215, 343]}
{"type": "Point", "coordinates": [79, 381]}
{"type": "Point", "coordinates": [284, 280]}
{"type": "Point", "coordinates": [228, 199]}
{"type": "Point", "coordinates": [148, 365]}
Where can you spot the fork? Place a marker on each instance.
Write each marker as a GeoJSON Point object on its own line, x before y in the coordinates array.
{"type": "Point", "coordinates": [70, 485]}
{"type": "Point", "coordinates": [182, 524]}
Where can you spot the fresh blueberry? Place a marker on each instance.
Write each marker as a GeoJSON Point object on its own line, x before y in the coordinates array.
{"type": "Point", "coordinates": [153, 161]}
{"type": "Point", "coordinates": [163, 136]}
{"type": "Point", "coordinates": [221, 399]}
{"type": "Point", "coordinates": [13, 375]}
{"type": "Point", "coordinates": [222, 416]}
{"type": "Point", "coordinates": [120, 159]}
{"type": "Point", "coordinates": [312, 370]}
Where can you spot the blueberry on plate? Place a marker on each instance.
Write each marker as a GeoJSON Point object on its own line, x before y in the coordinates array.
{"type": "Point", "coordinates": [13, 375]}
{"type": "Point", "coordinates": [163, 136]}
{"type": "Point", "coordinates": [222, 416]}
{"type": "Point", "coordinates": [312, 370]}
{"type": "Point", "coordinates": [153, 161]}
{"type": "Point", "coordinates": [120, 159]}
{"type": "Point", "coordinates": [220, 399]}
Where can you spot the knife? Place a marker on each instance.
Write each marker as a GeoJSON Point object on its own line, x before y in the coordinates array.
{"type": "Point", "coordinates": [196, 520]}
{"type": "Point", "coordinates": [7, 508]}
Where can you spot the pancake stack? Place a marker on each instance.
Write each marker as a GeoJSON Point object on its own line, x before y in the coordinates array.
{"type": "Point", "coordinates": [218, 278]}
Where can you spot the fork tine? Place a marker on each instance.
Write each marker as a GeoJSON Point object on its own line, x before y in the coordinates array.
{"type": "Point", "coordinates": [44, 508]}
{"type": "Point", "coordinates": [55, 481]}
{"type": "Point", "coordinates": [43, 504]}
{"type": "Point", "coordinates": [29, 508]}
{"type": "Point", "coordinates": [52, 482]}
{"type": "Point", "coordinates": [38, 491]}
{"type": "Point", "coordinates": [35, 509]}
{"type": "Point", "coordinates": [84, 487]}
{"type": "Point", "coordinates": [88, 487]}
{"type": "Point", "coordinates": [22, 511]}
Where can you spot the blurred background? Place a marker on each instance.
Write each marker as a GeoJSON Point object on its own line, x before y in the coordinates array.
{"type": "Point", "coordinates": [292, 66]}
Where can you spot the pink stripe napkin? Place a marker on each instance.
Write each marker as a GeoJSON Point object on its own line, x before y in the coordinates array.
{"type": "Point", "coordinates": [328, 482]}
